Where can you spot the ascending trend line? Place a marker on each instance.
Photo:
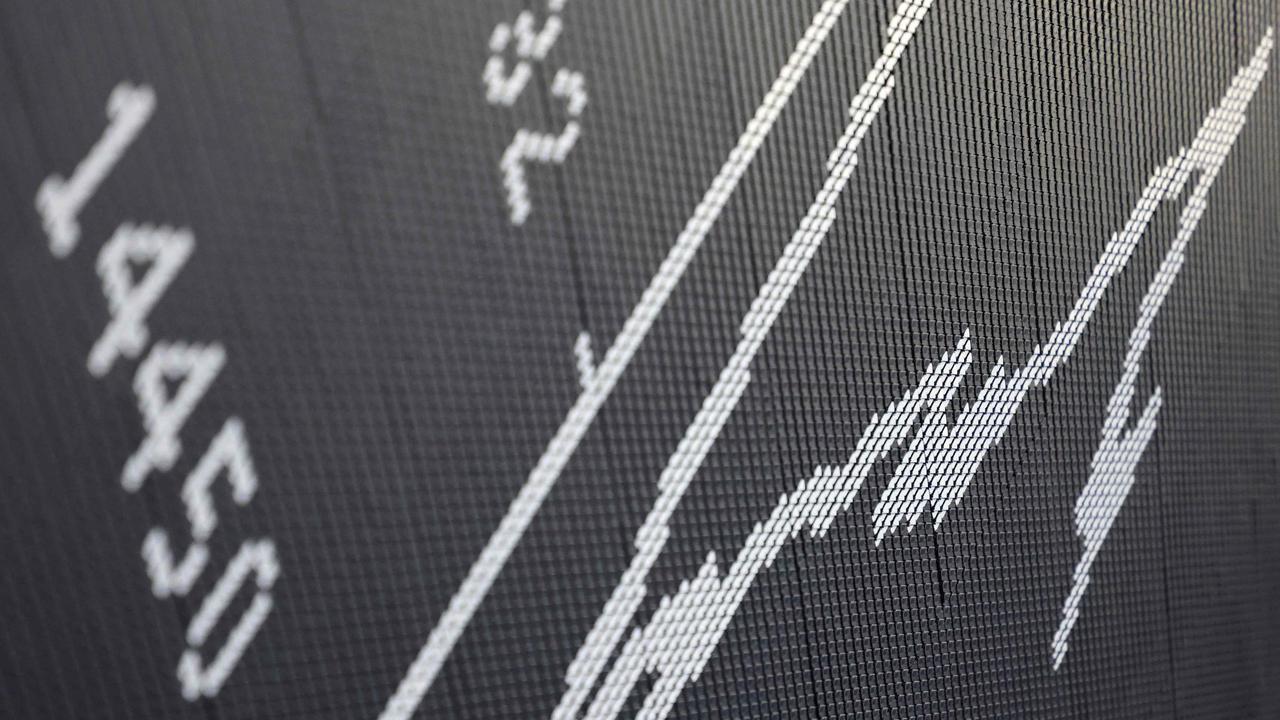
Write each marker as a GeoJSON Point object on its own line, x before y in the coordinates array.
{"type": "Point", "coordinates": [942, 457]}
{"type": "Point", "coordinates": [719, 405]}
{"type": "Point", "coordinates": [1111, 475]}
{"type": "Point", "coordinates": [462, 606]}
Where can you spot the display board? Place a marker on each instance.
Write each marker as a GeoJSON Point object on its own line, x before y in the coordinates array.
{"type": "Point", "coordinates": [657, 359]}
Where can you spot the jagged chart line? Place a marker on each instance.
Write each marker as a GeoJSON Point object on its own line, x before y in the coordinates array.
{"type": "Point", "coordinates": [719, 405]}
{"type": "Point", "coordinates": [937, 467]}
{"type": "Point", "coordinates": [942, 459]}
{"type": "Point", "coordinates": [687, 627]}
{"type": "Point", "coordinates": [462, 606]}
{"type": "Point", "coordinates": [1111, 475]}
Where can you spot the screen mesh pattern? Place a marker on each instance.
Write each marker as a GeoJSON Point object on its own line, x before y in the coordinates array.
{"type": "Point", "coordinates": [640, 359]}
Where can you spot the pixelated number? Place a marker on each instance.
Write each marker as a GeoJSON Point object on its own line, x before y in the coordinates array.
{"type": "Point", "coordinates": [137, 266]}
{"type": "Point", "coordinates": [160, 252]}
{"type": "Point", "coordinates": [504, 84]}
{"type": "Point", "coordinates": [228, 455]}
{"type": "Point", "coordinates": [256, 559]}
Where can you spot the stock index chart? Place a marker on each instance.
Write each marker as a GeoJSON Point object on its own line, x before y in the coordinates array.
{"type": "Point", "coordinates": [639, 358]}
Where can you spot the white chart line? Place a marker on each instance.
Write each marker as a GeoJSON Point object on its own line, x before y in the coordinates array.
{"type": "Point", "coordinates": [718, 406]}
{"type": "Point", "coordinates": [1112, 471]}
{"type": "Point", "coordinates": [675, 643]}
{"type": "Point", "coordinates": [462, 606]}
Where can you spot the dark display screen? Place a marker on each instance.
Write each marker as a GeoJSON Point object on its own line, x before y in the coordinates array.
{"type": "Point", "coordinates": [639, 358]}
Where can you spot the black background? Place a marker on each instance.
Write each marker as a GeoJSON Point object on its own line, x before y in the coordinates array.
{"type": "Point", "coordinates": [401, 354]}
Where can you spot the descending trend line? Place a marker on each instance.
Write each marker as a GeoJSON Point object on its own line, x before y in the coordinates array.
{"type": "Point", "coordinates": [719, 404]}
{"type": "Point", "coordinates": [462, 606]}
{"type": "Point", "coordinates": [1111, 475]}
{"type": "Point", "coordinates": [941, 460]}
